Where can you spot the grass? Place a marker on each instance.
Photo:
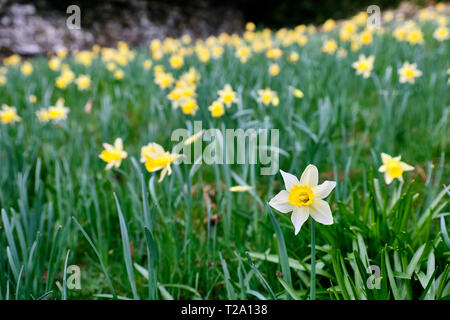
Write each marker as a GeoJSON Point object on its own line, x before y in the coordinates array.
{"type": "Point", "coordinates": [135, 238]}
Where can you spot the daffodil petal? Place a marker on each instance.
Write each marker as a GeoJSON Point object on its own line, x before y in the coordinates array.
{"type": "Point", "coordinates": [298, 217]}
{"type": "Point", "coordinates": [310, 177]}
{"type": "Point", "coordinates": [323, 190]}
{"type": "Point", "coordinates": [281, 203]}
{"type": "Point", "coordinates": [385, 157]}
{"type": "Point", "coordinates": [406, 167]}
{"type": "Point", "coordinates": [388, 178]}
{"type": "Point", "coordinates": [289, 180]}
{"type": "Point", "coordinates": [321, 212]}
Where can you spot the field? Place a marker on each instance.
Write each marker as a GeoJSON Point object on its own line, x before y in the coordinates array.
{"type": "Point", "coordinates": [88, 213]}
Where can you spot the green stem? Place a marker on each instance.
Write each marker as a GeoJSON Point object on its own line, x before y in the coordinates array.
{"type": "Point", "coordinates": [313, 262]}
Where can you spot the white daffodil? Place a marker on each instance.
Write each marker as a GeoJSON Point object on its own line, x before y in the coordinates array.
{"type": "Point", "coordinates": [393, 168]}
{"type": "Point", "coordinates": [304, 198]}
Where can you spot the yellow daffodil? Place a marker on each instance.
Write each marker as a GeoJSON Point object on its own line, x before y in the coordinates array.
{"type": "Point", "coordinates": [54, 63]}
{"type": "Point", "coordinates": [274, 53]}
{"type": "Point", "coordinates": [227, 95]}
{"type": "Point", "coordinates": [293, 57]}
{"type": "Point", "coordinates": [267, 97]}
{"type": "Point", "coordinates": [393, 168]}
{"type": "Point", "coordinates": [83, 82]}
{"type": "Point", "coordinates": [243, 53]}
{"type": "Point", "coordinates": [3, 80]}
{"type": "Point", "coordinates": [240, 188]}
{"type": "Point", "coordinates": [43, 115]}
{"type": "Point", "coordinates": [12, 60]}
{"type": "Point", "coordinates": [176, 61]}
{"type": "Point", "coordinates": [164, 80]}
{"type": "Point", "coordinates": [84, 58]}
{"type": "Point", "coordinates": [364, 65]}
{"type": "Point", "coordinates": [26, 68]}
{"type": "Point", "coordinates": [441, 34]}
{"type": "Point", "coordinates": [147, 64]}
{"type": "Point", "coordinates": [155, 158]}
{"type": "Point", "coordinates": [274, 69]}
{"type": "Point", "coordinates": [408, 72]}
{"type": "Point", "coordinates": [8, 114]}
{"type": "Point", "coordinates": [119, 74]}
{"type": "Point", "coordinates": [217, 109]}
{"type": "Point", "coordinates": [415, 36]}
{"type": "Point", "coordinates": [329, 25]}
{"type": "Point", "coordinates": [113, 154]}
{"type": "Point", "coordinates": [32, 98]}
{"type": "Point", "coordinates": [329, 46]}
{"type": "Point", "coordinates": [341, 53]}
{"type": "Point", "coordinates": [366, 37]}
{"type": "Point", "coordinates": [59, 111]}
{"type": "Point", "coordinates": [297, 93]}
{"type": "Point", "coordinates": [189, 106]}
{"type": "Point", "coordinates": [304, 198]}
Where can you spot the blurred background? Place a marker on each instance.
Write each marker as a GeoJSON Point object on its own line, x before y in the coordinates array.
{"type": "Point", "coordinates": [39, 27]}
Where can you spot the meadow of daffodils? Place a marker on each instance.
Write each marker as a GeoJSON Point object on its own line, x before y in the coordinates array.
{"type": "Point", "coordinates": [95, 204]}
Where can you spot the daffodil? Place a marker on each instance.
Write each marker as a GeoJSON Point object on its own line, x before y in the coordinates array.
{"type": "Point", "coordinates": [147, 64]}
{"type": "Point", "coordinates": [441, 34]}
{"type": "Point", "coordinates": [8, 114]}
{"type": "Point", "coordinates": [364, 65]}
{"type": "Point", "coordinates": [12, 60]}
{"type": "Point", "coordinates": [409, 72]}
{"type": "Point", "coordinates": [113, 154]}
{"type": "Point", "coordinates": [293, 57]}
{"type": "Point", "coordinates": [155, 158]}
{"type": "Point", "coordinates": [189, 106]}
{"type": "Point", "coordinates": [243, 53]}
{"type": "Point", "coordinates": [329, 25]}
{"type": "Point", "coordinates": [298, 93]}
{"type": "Point", "coordinates": [268, 96]}
{"type": "Point", "coordinates": [304, 198]}
{"type": "Point", "coordinates": [240, 188]}
{"type": "Point", "coordinates": [176, 61]}
{"type": "Point", "coordinates": [415, 36]}
{"type": "Point", "coordinates": [227, 95]}
{"type": "Point", "coordinates": [329, 46]}
{"type": "Point", "coordinates": [58, 111]}
{"type": "Point", "coordinates": [393, 168]}
{"type": "Point", "coordinates": [274, 53]}
{"type": "Point", "coordinates": [26, 68]}
{"type": "Point", "coordinates": [43, 115]}
{"type": "Point", "coordinates": [83, 82]}
{"type": "Point", "coordinates": [32, 98]}
{"type": "Point", "coordinates": [119, 74]}
{"type": "Point", "coordinates": [274, 69]}
{"type": "Point", "coordinates": [217, 109]}
{"type": "Point", "coordinates": [54, 63]}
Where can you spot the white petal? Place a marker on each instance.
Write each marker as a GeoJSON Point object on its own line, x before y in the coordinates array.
{"type": "Point", "coordinates": [405, 167]}
{"type": "Point", "coordinates": [118, 144]}
{"type": "Point", "coordinates": [388, 178]}
{"type": "Point", "coordinates": [382, 168]}
{"type": "Point", "coordinates": [108, 147]}
{"type": "Point", "coordinates": [321, 212]}
{"type": "Point", "coordinates": [280, 202]}
{"type": "Point", "coordinates": [323, 190]}
{"type": "Point", "coordinates": [298, 217]}
{"type": "Point", "coordinates": [385, 157]}
{"type": "Point", "coordinates": [310, 177]}
{"type": "Point", "coordinates": [289, 180]}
